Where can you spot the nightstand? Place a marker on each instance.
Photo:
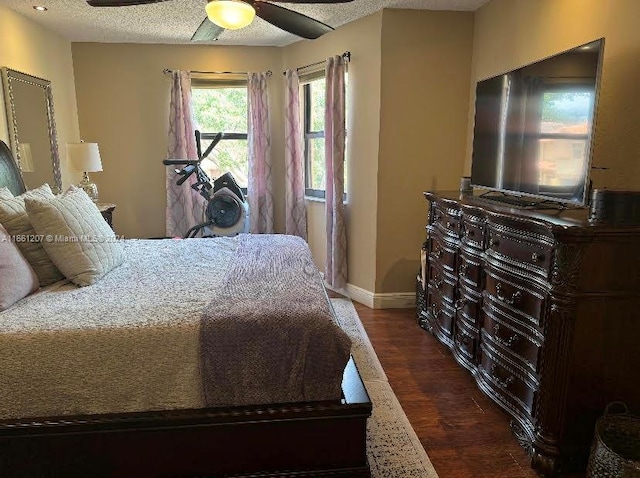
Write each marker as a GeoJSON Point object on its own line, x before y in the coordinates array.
{"type": "Point", "coordinates": [106, 210]}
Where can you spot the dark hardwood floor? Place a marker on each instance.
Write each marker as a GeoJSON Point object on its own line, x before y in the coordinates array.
{"type": "Point", "coordinates": [464, 433]}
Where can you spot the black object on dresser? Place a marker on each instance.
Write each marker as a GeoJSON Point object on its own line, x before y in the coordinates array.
{"type": "Point", "coordinates": [543, 308]}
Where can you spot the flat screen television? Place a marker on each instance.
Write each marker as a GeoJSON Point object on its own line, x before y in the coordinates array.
{"type": "Point", "coordinates": [534, 127]}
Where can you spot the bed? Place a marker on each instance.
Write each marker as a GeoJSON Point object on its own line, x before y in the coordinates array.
{"type": "Point", "coordinates": [147, 406]}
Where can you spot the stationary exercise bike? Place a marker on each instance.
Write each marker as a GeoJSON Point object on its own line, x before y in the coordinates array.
{"type": "Point", "coordinates": [226, 211]}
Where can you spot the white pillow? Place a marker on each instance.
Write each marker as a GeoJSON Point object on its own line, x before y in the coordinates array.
{"type": "Point", "coordinates": [14, 218]}
{"type": "Point", "coordinates": [17, 279]}
{"type": "Point", "coordinates": [77, 238]}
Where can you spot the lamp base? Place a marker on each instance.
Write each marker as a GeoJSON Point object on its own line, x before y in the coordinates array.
{"type": "Point", "coordinates": [88, 187]}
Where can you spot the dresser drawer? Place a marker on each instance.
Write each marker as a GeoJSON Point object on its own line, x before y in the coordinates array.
{"type": "Point", "coordinates": [468, 306]}
{"type": "Point", "coordinates": [515, 295]}
{"type": "Point", "coordinates": [466, 341]}
{"type": "Point", "coordinates": [443, 251]}
{"type": "Point", "coordinates": [512, 384]}
{"type": "Point", "coordinates": [514, 247]}
{"type": "Point", "coordinates": [524, 345]}
{"type": "Point", "coordinates": [447, 219]}
{"type": "Point", "coordinates": [473, 228]}
{"type": "Point", "coordinates": [470, 269]}
{"type": "Point", "coordinates": [442, 281]}
{"type": "Point", "coordinates": [440, 314]}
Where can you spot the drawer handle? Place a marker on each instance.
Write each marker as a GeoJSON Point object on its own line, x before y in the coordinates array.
{"type": "Point", "coordinates": [462, 339]}
{"type": "Point", "coordinates": [460, 303]}
{"type": "Point", "coordinates": [493, 242]}
{"type": "Point", "coordinates": [463, 269]}
{"type": "Point", "coordinates": [438, 253]}
{"type": "Point", "coordinates": [535, 257]}
{"type": "Point", "coordinates": [515, 298]}
{"type": "Point", "coordinates": [506, 342]}
{"type": "Point", "coordinates": [503, 383]}
{"type": "Point", "coordinates": [434, 310]}
{"type": "Point", "coordinates": [437, 282]}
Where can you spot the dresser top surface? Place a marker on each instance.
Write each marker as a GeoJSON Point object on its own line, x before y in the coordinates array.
{"type": "Point", "coordinates": [552, 215]}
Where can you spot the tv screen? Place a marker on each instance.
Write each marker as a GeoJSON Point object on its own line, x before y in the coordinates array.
{"type": "Point", "coordinates": [534, 127]}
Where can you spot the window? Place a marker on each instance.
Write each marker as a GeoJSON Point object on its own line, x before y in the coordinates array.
{"type": "Point", "coordinates": [221, 107]}
{"type": "Point", "coordinates": [314, 92]}
{"type": "Point", "coordinates": [313, 101]}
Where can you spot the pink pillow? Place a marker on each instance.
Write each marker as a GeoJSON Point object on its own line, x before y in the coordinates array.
{"type": "Point", "coordinates": [17, 279]}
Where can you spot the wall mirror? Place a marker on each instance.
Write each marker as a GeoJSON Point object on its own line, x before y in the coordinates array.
{"type": "Point", "coordinates": [32, 128]}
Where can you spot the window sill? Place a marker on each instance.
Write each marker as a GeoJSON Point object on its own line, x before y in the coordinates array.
{"type": "Point", "coordinates": [314, 199]}
{"type": "Point", "coordinates": [319, 200]}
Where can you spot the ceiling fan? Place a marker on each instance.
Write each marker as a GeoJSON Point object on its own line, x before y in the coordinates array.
{"type": "Point", "coordinates": [235, 14]}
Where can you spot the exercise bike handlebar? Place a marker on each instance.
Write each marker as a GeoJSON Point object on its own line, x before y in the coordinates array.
{"type": "Point", "coordinates": [168, 162]}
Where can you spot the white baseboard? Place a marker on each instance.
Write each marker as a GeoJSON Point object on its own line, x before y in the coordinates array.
{"type": "Point", "coordinates": [360, 295]}
{"type": "Point", "coordinates": [395, 300]}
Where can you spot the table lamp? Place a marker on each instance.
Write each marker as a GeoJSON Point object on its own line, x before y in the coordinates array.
{"type": "Point", "coordinates": [26, 158]}
{"type": "Point", "coordinates": [85, 157]}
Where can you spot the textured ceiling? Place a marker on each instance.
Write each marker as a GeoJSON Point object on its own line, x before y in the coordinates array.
{"type": "Point", "coordinates": [175, 21]}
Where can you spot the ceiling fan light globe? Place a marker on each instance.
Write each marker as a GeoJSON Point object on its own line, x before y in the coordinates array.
{"type": "Point", "coordinates": [230, 14]}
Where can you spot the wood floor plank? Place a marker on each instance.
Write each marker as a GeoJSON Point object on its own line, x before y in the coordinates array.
{"type": "Point", "coordinates": [464, 433]}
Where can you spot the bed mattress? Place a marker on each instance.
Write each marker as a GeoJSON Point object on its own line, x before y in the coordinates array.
{"type": "Point", "coordinates": [130, 342]}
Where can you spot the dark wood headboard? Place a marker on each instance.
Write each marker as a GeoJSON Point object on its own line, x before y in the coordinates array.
{"type": "Point", "coordinates": [9, 174]}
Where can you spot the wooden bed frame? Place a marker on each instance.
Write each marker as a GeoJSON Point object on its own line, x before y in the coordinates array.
{"type": "Point", "coordinates": [310, 439]}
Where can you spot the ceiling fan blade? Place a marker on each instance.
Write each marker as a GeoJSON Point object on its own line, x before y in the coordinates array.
{"type": "Point", "coordinates": [121, 3]}
{"type": "Point", "coordinates": [290, 21]}
{"type": "Point", "coordinates": [313, 1]}
{"type": "Point", "coordinates": [207, 31]}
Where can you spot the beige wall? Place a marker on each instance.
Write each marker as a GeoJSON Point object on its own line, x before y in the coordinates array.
{"type": "Point", "coordinates": [512, 33]}
{"type": "Point", "coordinates": [393, 145]}
{"type": "Point", "coordinates": [426, 65]}
{"type": "Point", "coordinates": [27, 47]}
{"type": "Point", "coordinates": [362, 39]}
{"type": "Point", "coordinates": [123, 105]}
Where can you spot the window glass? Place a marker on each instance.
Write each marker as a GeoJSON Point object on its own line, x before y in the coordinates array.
{"type": "Point", "coordinates": [316, 163]}
{"type": "Point", "coordinates": [223, 109]}
{"type": "Point", "coordinates": [314, 94]}
{"type": "Point", "coordinates": [318, 93]}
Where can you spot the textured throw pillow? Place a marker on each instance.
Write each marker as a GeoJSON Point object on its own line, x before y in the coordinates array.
{"type": "Point", "coordinates": [13, 216]}
{"type": "Point", "coordinates": [17, 279]}
{"type": "Point", "coordinates": [77, 238]}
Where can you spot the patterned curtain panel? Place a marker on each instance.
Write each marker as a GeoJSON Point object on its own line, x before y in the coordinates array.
{"type": "Point", "coordinates": [296, 211]}
{"type": "Point", "coordinates": [260, 188]}
{"type": "Point", "coordinates": [184, 205]}
{"type": "Point", "coordinates": [335, 131]}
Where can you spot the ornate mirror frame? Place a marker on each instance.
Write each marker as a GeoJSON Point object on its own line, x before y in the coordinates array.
{"type": "Point", "coordinates": [9, 77]}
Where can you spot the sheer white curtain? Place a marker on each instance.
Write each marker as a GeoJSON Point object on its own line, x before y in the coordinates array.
{"type": "Point", "coordinates": [335, 132]}
{"type": "Point", "coordinates": [184, 205]}
{"type": "Point", "coordinates": [260, 187]}
{"type": "Point", "coordinates": [296, 210]}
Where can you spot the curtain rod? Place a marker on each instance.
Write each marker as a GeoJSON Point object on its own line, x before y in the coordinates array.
{"type": "Point", "coordinates": [167, 71]}
{"type": "Point", "coordinates": [346, 55]}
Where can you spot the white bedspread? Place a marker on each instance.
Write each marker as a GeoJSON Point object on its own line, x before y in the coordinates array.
{"type": "Point", "coordinates": [58, 358]}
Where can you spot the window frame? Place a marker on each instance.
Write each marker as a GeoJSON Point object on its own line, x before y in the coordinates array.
{"type": "Point", "coordinates": [204, 84]}
{"type": "Point", "coordinates": [308, 136]}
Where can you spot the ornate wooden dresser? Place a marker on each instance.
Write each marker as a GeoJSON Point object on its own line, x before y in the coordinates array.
{"type": "Point", "coordinates": [543, 308]}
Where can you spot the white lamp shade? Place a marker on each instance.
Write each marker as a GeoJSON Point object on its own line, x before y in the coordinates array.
{"type": "Point", "coordinates": [26, 158]}
{"type": "Point", "coordinates": [230, 14]}
{"type": "Point", "coordinates": [84, 157]}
